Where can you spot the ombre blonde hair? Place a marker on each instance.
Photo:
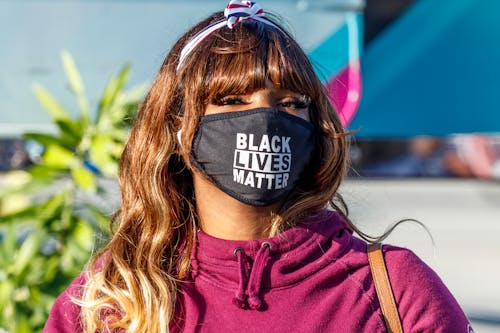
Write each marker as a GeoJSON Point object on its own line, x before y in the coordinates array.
{"type": "Point", "coordinates": [133, 282]}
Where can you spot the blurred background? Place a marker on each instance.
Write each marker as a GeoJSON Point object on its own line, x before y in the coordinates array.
{"type": "Point", "coordinates": [416, 81]}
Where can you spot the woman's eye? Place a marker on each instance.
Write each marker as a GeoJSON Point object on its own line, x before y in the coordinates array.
{"type": "Point", "coordinates": [229, 100]}
{"type": "Point", "coordinates": [296, 103]}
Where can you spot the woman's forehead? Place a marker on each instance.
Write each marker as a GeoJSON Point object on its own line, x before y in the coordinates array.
{"type": "Point", "coordinates": [249, 80]}
{"type": "Point", "coordinates": [270, 87]}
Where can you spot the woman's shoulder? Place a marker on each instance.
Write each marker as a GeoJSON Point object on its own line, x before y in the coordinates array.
{"type": "Point", "coordinates": [424, 302]}
{"type": "Point", "coordinates": [65, 313]}
{"type": "Point", "coordinates": [407, 270]}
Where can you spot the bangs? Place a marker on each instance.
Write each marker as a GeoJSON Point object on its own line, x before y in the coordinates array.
{"type": "Point", "coordinates": [241, 60]}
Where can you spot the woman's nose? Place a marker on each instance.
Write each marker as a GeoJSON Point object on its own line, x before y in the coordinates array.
{"type": "Point", "coordinates": [263, 99]}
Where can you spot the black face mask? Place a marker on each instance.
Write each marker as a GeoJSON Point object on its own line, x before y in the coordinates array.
{"type": "Point", "coordinates": [256, 156]}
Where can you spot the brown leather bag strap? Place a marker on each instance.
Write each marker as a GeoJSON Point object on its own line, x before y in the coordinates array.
{"type": "Point", "coordinates": [383, 288]}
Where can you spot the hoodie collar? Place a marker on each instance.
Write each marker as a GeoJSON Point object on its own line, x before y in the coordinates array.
{"type": "Point", "coordinates": [248, 267]}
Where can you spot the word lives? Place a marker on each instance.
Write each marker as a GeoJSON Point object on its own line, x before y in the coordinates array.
{"type": "Point", "coordinates": [262, 162]}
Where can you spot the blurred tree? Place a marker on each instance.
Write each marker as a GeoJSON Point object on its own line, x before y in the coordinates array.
{"type": "Point", "coordinates": [47, 238]}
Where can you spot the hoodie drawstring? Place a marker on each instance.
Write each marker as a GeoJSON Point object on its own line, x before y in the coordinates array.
{"type": "Point", "coordinates": [255, 281]}
{"type": "Point", "coordinates": [240, 297]}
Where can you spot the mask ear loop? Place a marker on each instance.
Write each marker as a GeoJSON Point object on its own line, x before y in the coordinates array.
{"type": "Point", "coordinates": [179, 139]}
{"type": "Point", "coordinates": [180, 114]}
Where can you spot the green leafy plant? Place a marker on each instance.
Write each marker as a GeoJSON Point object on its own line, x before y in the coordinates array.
{"type": "Point", "coordinates": [53, 217]}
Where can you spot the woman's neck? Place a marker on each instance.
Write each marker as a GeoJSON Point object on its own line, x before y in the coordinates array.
{"type": "Point", "coordinates": [222, 216]}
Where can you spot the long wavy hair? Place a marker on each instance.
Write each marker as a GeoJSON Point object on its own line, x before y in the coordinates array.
{"type": "Point", "coordinates": [133, 282]}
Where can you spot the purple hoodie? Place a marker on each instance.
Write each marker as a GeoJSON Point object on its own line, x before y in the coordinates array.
{"type": "Point", "coordinates": [312, 278]}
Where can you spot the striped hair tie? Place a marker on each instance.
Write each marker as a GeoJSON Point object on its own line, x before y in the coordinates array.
{"type": "Point", "coordinates": [235, 12]}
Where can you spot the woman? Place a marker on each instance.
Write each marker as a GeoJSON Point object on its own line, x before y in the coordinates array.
{"type": "Point", "coordinates": [233, 157]}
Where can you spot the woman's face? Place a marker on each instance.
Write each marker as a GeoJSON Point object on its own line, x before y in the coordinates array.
{"type": "Point", "coordinates": [269, 97]}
